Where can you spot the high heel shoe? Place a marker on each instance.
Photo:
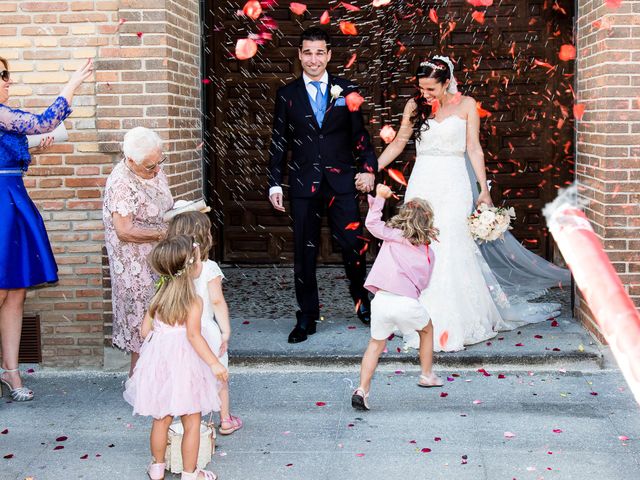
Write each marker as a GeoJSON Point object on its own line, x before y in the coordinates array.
{"type": "Point", "coordinates": [20, 394]}
{"type": "Point", "coordinates": [206, 475]}
{"type": "Point", "coordinates": [156, 471]}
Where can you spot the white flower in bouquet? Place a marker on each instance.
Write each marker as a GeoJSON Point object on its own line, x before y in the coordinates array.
{"type": "Point", "coordinates": [488, 224]}
{"type": "Point", "coordinates": [487, 217]}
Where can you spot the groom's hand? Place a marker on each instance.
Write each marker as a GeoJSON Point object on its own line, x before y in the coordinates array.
{"type": "Point", "coordinates": [277, 201]}
{"type": "Point", "coordinates": [365, 182]}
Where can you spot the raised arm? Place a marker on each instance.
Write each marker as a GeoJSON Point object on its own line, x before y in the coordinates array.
{"type": "Point", "coordinates": [374, 222]}
{"type": "Point", "coordinates": [396, 147]}
{"type": "Point", "coordinates": [25, 123]}
{"type": "Point", "coordinates": [474, 149]}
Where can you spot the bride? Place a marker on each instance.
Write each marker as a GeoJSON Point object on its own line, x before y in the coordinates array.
{"type": "Point", "coordinates": [466, 301]}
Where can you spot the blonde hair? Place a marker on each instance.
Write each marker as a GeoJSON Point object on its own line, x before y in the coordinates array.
{"type": "Point", "coordinates": [196, 225]}
{"type": "Point", "coordinates": [173, 258]}
{"type": "Point", "coordinates": [415, 220]}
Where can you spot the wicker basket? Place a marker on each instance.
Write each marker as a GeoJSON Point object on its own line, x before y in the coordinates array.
{"type": "Point", "coordinates": [173, 457]}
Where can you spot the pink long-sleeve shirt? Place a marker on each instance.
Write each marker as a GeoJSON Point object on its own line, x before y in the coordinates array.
{"type": "Point", "coordinates": [400, 267]}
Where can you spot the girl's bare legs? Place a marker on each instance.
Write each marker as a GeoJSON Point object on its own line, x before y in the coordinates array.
{"type": "Point", "coordinates": [159, 432]}
{"type": "Point", "coordinates": [11, 309]}
{"type": "Point", "coordinates": [223, 393]}
{"type": "Point", "coordinates": [134, 359]}
{"type": "Point", "coordinates": [426, 348]}
{"type": "Point", "coordinates": [370, 362]}
{"type": "Point", "coordinates": [190, 441]}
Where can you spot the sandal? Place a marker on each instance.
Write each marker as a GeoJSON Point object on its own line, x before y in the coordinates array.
{"type": "Point", "coordinates": [206, 475]}
{"type": "Point", "coordinates": [360, 400]}
{"type": "Point", "coordinates": [20, 394]}
{"type": "Point", "coordinates": [235, 422]}
{"type": "Point", "coordinates": [156, 471]}
{"type": "Point", "coordinates": [428, 381]}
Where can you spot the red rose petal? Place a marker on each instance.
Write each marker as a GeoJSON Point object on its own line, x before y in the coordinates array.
{"type": "Point", "coordinates": [8, 456]}
{"type": "Point", "coordinates": [58, 447]}
{"type": "Point", "coordinates": [437, 439]}
{"type": "Point", "coordinates": [354, 100]}
{"type": "Point", "coordinates": [557, 430]}
{"type": "Point", "coordinates": [62, 438]}
{"type": "Point", "coordinates": [4, 432]}
{"type": "Point", "coordinates": [320, 404]}
{"type": "Point", "coordinates": [444, 394]}
{"type": "Point", "coordinates": [425, 450]}
{"type": "Point", "coordinates": [84, 457]}
{"type": "Point", "coordinates": [298, 8]}
{"type": "Point", "coordinates": [348, 28]}
{"type": "Point", "coordinates": [501, 376]}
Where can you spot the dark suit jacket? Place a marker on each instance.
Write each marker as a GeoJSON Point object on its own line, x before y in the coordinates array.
{"type": "Point", "coordinates": [337, 151]}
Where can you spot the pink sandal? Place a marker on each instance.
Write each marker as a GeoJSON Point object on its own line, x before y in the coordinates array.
{"type": "Point", "coordinates": [206, 475]}
{"type": "Point", "coordinates": [156, 471]}
{"type": "Point", "coordinates": [428, 381]}
{"type": "Point", "coordinates": [235, 422]}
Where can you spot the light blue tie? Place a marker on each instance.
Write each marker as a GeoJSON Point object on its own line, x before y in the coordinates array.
{"type": "Point", "coordinates": [319, 103]}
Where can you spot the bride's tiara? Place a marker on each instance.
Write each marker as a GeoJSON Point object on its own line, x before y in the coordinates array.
{"type": "Point", "coordinates": [432, 65]}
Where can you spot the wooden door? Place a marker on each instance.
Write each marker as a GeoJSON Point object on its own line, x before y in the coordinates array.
{"type": "Point", "coordinates": [527, 136]}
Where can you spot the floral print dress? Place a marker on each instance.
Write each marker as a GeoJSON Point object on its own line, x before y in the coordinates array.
{"type": "Point", "coordinates": [132, 279]}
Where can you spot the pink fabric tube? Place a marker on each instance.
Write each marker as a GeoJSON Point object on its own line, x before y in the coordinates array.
{"type": "Point", "coordinates": [600, 285]}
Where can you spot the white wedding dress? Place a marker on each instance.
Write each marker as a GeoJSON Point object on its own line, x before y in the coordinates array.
{"type": "Point", "coordinates": [466, 303]}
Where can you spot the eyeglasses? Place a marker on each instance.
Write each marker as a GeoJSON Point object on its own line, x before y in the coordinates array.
{"type": "Point", "coordinates": [5, 75]}
{"type": "Point", "coordinates": [151, 168]}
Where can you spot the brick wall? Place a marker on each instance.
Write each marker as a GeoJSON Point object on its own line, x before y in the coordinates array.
{"type": "Point", "coordinates": [147, 74]}
{"type": "Point", "coordinates": [608, 137]}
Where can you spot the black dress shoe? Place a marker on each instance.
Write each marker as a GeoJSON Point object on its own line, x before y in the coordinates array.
{"type": "Point", "coordinates": [364, 312]}
{"type": "Point", "coordinates": [298, 334]}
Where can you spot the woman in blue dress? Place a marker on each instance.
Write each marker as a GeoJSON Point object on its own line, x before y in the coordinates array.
{"type": "Point", "coordinates": [26, 258]}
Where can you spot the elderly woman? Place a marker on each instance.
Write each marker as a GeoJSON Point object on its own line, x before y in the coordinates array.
{"type": "Point", "coordinates": [26, 258]}
{"type": "Point", "coordinates": [136, 198]}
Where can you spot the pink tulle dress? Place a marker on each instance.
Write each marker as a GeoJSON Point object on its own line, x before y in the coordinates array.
{"type": "Point", "coordinates": [170, 378]}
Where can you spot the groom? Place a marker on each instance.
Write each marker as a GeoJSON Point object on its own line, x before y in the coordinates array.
{"type": "Point", "coordinates": [330, 150]}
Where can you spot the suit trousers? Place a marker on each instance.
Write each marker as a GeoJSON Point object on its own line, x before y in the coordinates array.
{"type": "Point", "coordinates": [342, 211]}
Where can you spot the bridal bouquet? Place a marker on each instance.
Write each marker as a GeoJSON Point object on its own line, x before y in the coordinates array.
{"type": "Point", "coordinates": [487, 224]}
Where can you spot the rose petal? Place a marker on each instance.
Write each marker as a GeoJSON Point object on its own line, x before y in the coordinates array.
{"type": "Point", "coordinates": [58, 447]}
{"type": "Point", "coordinates": [509, 435]}
{"type": "Point", "coordinates": [4, 432]}
{"type": "Point", "coordinates": [425, 450]}
{"type": "Point", "coordinates": [444, 394]}
{"type": "Point", "coordinates": [320, 404]}
{"type": "Point", "coordinates": [348, 28]}
{"type": "Point", "coordinates": [84, 457]}
{"type": "Point", "coordinates": [298, 8]}
{"type": "Point", "coordinates": [557, 430]}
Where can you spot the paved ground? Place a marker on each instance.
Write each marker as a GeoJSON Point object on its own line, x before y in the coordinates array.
{"type": "Point", "coordinates": [550, 385]}
{"type": "Point", "coordinates": [566, 425]}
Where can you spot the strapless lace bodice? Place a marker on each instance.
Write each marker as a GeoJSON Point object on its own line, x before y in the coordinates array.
{"type": "Point", "coordinates": [448, 137]}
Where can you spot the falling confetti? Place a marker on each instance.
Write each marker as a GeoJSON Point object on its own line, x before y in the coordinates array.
{"type": "Point", "coordinates": [567, 52]}
{"type": "Point", "coordinates": [444, 338]}
{"type": "Point", "coordinates": [246, 48]}
{"type": "Point", "coordinates": [325, 18]}
{"type": "Point", "coordinates": [354, 100]}
{"type": "Point", "coordinates": [387, 134]}
{"type": "Point", "coordinates": [348, 28]}
{"type": "Point", "coordinates": [397, 175]}
{"type": "Point", "coordinates": [478, 16]}
{"type": "Point", "coordinates": [252, 9]}
{"type": "Point", "coordinates": [578, 110]}
{"type": "Point", "coordinates": [509, 435]}
{"type": "Point", "coordinates": [298, 8]}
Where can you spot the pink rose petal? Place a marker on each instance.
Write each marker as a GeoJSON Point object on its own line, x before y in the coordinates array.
{"type": "Point", "coordinates": [623, 438]}
{"type": "Point", "coordinates": [557, 430]}
{"type": "Point", "coordinates": [359, 454]}
{"type": "Point", "coordinates": [509, 435]}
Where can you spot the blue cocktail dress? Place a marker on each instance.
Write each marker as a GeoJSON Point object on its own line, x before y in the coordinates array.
{"type": "Point", "coordinates": [26, 258]}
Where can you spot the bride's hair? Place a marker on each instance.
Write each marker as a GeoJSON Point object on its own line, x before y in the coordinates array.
{"type": "Point", "coordinates": [415, 220]}
{"type": "Point", "coordinates": [430, 68]}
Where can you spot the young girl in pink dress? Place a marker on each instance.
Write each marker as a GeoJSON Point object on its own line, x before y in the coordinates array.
{"type": "Point", "coordinates": [401, 271]}
{"type": "Point", "coordinates": [216, 328]}
{"type": "Point", "coordinates": [177, 370]}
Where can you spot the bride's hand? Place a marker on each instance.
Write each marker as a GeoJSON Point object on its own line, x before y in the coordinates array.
{"type": "Point", "coordinates": [485, 197]}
